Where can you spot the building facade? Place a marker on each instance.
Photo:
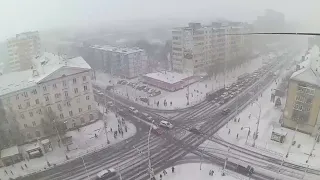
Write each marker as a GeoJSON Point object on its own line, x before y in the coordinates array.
{"type": "Point", "coordinates": [125, 62]}
{"type": "Point", "coordinates": [303, 97]}
{"type": "Point", "coordinates": [22, 49]}
{"type": "Point", "coordinates": [56, 93]}
{"type": "Point", "coordinates": [196, 48]}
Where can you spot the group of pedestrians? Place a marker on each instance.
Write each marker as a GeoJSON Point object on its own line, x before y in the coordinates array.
{"type": "Point", "coordinates": [164, 173]}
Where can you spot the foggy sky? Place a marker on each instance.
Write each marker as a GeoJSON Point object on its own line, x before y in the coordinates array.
{"type": "Point", "coordinates": [22, 15]}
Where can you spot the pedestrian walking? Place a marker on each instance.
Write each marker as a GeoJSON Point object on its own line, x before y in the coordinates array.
{"type": "Point", "coordinates": [22, 167]}
{"type": "Point", "coordinates": [172, 169]}
{"type": "Point", "coordinates": [229, 131]}
{"type": "Point", "coordinates": [237, 136]}
{"type": "Point", "coordinates": [160, 176]}
{"type": "Point", "coordinates": [26, 165]}
{"type": "Point", "coordinates": [11, 172]}
{"type": "Point", "coordinates": [111, 129]}
{"type": "Point", "coordinates": [164, 172]}
{"type": "Point", "coordinates": [6, 172]}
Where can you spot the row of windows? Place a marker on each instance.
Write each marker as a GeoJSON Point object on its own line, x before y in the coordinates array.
{"type": "Point", "coordinates": [304, 99]}
{"type": "Point", "coordinates": [300, 116]}
{"type": "Point", "coordinates": [301, 107]}
{"type": "Point", "coordinates": [306, 90]}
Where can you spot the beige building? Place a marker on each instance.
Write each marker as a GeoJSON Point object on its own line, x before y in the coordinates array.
{"type": "Point", "coordinates": [197, 47]}
{"type": "Point", "coordinates": [303, 99]}
{"type": "Point", "coordinates": [55, 91]}
{"type": "Point", "coordinates": [22, 49]}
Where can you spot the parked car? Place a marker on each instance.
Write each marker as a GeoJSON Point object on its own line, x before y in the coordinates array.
{"type": "Point", "coordinates": [166, 124]}
{"type": "Point", "coordinates": [133, 110]}
{"type": "Point", "coordinates": [110, 174]}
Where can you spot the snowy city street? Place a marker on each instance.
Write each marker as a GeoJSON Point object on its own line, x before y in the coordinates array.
{"type": "Point", "coordinates": [86, 140]}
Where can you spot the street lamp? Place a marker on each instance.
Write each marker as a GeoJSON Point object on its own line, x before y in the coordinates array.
{"type": "Point", "coordinates": [225, 162]}
{"type": "Point", "coordinates": [257, 129]}
{"type": "Point", "coordinates": [150, 169]}
{"type": "Point", "coordinates": [202, 153]}
{"type": "Point", "coordinates": [84, 164]}
{"type": "Point", "coordinates": [104, 116]}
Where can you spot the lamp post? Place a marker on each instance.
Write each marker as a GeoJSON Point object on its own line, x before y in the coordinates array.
{"type": "Point", "coordinates": [225, 162]}
{"type": "Point", "coordinates": [202, 154]}
{"type": "Point", "coordinates": [248, 132]}
{"type": "Point", "coordinates": [257, 129]}
{"type": "Point", "coordinates": [104, 116]}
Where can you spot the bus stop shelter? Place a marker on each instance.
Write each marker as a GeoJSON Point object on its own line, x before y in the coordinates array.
{"type": "Point", "coordinates": [11, 155]}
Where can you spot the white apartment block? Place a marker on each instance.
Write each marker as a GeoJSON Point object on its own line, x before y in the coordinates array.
{"type": "Point", "coordinates": [126, 62]}
{"type": "Point", "coordinates": [197, 47]}
{"type": "Point", "coordinates": [22, 49]}
{"type": "Point", "coordinates": [54, 90]}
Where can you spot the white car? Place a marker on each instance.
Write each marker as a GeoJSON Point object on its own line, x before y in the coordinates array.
{"type": "Point", "coordinates": [166, 124]}
{"type": "Point", "coordinates": [133, 110]}
{"type": "Point", "coordinates": [107, 174]}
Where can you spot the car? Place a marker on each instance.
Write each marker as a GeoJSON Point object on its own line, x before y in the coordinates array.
{"type": "Point", "coordinates": [146, 116]}
{"type": "Point", "coordinates": [156, 130]}
{"type": "Point", "coordinates": [226, 111]}
{"type": "Point", "coordinates": [110, 174]}
{"type": "Point", "coordinates": [221, 102]}
{"type": "Point", "coordinates": [124, 82]}
{"type": "Point", "coordinates": [119, 82]}
{"type": "Point", "coordinates": [109, 104]}
{"type": "Point", "coordinates": [194, 130]}
{"type": "Point", "coordinates": [166, 124]}
{"type": "Point", "coordinates": [133, 110]}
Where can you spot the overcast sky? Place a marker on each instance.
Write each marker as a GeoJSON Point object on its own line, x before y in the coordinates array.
{"type": "Point", "coordinates": [23, 15]}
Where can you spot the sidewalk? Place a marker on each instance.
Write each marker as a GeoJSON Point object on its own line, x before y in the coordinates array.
{"type": "Point", "coordinates": [84, 142]}
{"type": "Point", "coordinates": [197, 90]}
{"type": "Point", "coordinates": [192, 172]}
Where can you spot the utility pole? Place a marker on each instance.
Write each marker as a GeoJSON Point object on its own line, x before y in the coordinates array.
{"type": "Point", "coordinates": [149, 159]}
{"type": "Point", "coordinates": [104, 116]}
{"type": "Point", "coordinates": [225, 162]}
{"type": "Point", "coordinates": [257, 129]}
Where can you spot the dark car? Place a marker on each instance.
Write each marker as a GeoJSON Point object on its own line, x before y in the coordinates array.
{"type": "Point", "coordinates": [195, 131]}
{"type": "Point", "coordinates": [157, 131]}
{"type": "Point", "coordinates": [226, 111]}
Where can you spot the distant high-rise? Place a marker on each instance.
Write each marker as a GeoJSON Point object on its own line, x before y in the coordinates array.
{"type": "Point", "coordinates": [22, 49]}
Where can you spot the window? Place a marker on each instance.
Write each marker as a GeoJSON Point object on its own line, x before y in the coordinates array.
{"type": "Point", "coordinates": [17, 96]}
{"type": "Point", "coordinates": [44, 88]}
{"type": "Point", "coordinates": [89, 107]}
{"type": "Point", "coordinates": [31, 114]}
{"type": "Point", "coordinates": [34, 91]}
{"type": "Point", "coordinates": [84, 78]}
{"type": "Point", "coordinates": [87, 97]}
{"type": "Point", "coordinates": [75, 90]}
{"type": "Point", "coordinates": [25, 94]}
{"type": "Point", "coordinates": [28, 104]}
{"type": "Point", "coordinates": [49, 109]}
{"type": "Point", "coordinates": [80, 109]}
{"type": "Point", "coordinates": [91, 116]}
{"type": "Point", "coordinates": [25, 125]}
{"type": "Point", "coordinates": [85, 88]}
{"type": "Point", "coordinates": [68, 104]}
{"type": "Point", "coordinates": [82, 120]}
{"type": "Point", "coordinates": [66, 94]}
{"type": "Point", "coordinates": [70, 113]}
{"type": "Point", "coordinates": [34, 123]}
{"type": "Point", "coordinates": [59, 107]}
{"type": "Point", "coordinates": [22, 116]}
{"type": "Point", "coordinates": [74, 124]}
{"type": "Point", "coordinates": [19, 106]}
{"type": "Point", "coordinates": [54, 85]}
{"type": "Point", "coordinates": [37, 133]}
{"type": "Point", "coordinates": [74, 80]}
{"type": "Point", "coordinates": [57, 95]}
{"type": "Point", "coordinates": [61, 116]}
{"type": "Point", "coordinates": [64, 83]}
{"type": "Point", "coordinates": [47, 98]}
{"type": "Point", "coordinates": [37, 101]}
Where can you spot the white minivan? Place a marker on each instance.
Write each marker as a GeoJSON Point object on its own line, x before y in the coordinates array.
{"type": "Point", "coordinates": [166, 124]}
{"type": "Point", "coordinates": [133, 110]}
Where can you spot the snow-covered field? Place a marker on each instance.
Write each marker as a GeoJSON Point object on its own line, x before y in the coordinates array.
{"type": "Point", "coordinates": [269, 119]}
{"type": "Point", "coordinates": [197, 90]}
{"type": "Point", "coordinates": [192, 172]}
{"type": "Point", "coordinates": [84, 141]}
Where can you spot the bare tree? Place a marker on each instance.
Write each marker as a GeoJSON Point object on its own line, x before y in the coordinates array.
{"type": "Point", "coordinates": [51, 124]}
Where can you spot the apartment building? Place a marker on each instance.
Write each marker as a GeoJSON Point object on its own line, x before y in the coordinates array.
{"type": "Point", "coordinates": [120, 61]}
{"type": "Point", "coordinates": [55, 91]}
{"type": "Point", "coordinates": [22, 49]}
{"type": "Point", "coordinates": [303, 97]}
{"type": "Point", "coordinates": [196, 48]}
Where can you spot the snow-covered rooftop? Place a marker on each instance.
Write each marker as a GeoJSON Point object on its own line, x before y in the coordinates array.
{"type": "Point", "coordinates": [168, 77]}
{"type": "Point", "coordinates": [44, 66]}
{"type": "Point", "coordinates": [121, 50]}
{"type": "Point", "coordinates": [11, 151]}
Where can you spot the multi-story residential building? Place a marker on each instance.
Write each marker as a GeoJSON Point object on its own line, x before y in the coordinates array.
{"type": "Point", "coordinates": [197, 47]}
{"type": "Point", "coordinates": [22, 49]}
{"type": "Point", "coordinates": [303, 97]}
{"type": "Point", "coordinates": [54, 92]}
{"type": "Point", "coordinates": [126, 62]}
